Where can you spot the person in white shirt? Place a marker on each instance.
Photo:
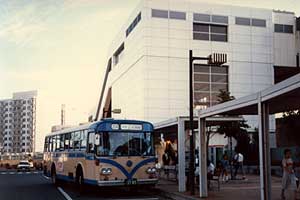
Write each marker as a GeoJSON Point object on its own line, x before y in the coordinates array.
{"type": "Point", "coordinates": [289, 177]}
{"type": "Point", "coordinates": [239, 164]}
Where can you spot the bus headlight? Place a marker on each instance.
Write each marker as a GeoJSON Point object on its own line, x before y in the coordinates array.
{"type": "Point", "coordinates": [151, 170]}
{"type": "Point", "coordinates": [106, 171]}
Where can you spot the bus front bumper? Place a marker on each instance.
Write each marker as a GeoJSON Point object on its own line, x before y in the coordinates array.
{"type": "Point", "coordinates": [123, 183]}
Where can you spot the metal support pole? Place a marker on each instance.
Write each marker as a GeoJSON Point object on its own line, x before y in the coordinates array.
{"type": "Point", "coordinates": [192, 156]}
{"type": "Point", "coordinates": [264, 151]}
{"type": "Point", "coordinates": [267, 160]}
{"type": "Point", "coordinates": [202, 159]}
{"type": "Point", "coordinates": [181, 156]}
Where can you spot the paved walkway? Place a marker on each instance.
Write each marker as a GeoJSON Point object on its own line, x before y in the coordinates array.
{"type": "Point", "coordinates": [248, 189]}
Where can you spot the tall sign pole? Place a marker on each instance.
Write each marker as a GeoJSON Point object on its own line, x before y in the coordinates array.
{"type": "Point", "coordinates": [192, 155]}
{"type": "Point", "coordinates": [215, 59]}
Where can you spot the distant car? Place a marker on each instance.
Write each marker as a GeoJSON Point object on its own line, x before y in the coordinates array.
{"type": "Point", "coordinates": [24, 165]}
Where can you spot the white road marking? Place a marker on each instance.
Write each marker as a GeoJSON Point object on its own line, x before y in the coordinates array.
{"type": "Point", "coordinates": [35, 172]}
{"type": "Point", "coordinates": [64, 193]}
{"type": "Point", "coordinates": [3, 173]}
{"type": "Point", "coordinates": [46, 177]}
{"type": "Point", "coordinates": [11, 172]}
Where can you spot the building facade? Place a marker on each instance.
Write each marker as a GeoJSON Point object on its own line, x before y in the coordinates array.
{"type": "Point", "coordinates": [147, 74]}
{"type": "Point", "coordinates": [18, 124]}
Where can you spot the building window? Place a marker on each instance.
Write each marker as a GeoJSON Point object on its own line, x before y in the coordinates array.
{"type": "Point", "coordinates": [133, 24]}
{"type": "Point", "coordinates": [283, 28]}
{"type": "Point", "coordinates": [219, 19]}
{"type": "Point", "coordinates": [259, 22]}
{"type": "Point", "coordinates": [117, 55]}
{"type": "Point", "coordinates": [201, 17]}
{"type": "Point", "coordinates": [210, 32]}
{"type": "Point", "coordinates": [242, 21]}
{"type": "Point", "coordinates": [160, 13]}
{"type": "Point", "coordinates": [177, 15]}
{"type": "Point", "coordinates": [208, 81]}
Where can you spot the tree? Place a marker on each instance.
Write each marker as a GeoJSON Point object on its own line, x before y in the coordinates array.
{"type": "Point", "coordinates": [232, 129]}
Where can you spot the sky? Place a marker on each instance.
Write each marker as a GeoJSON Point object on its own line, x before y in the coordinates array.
{"type": "Point", "coordinates": [59, 48]}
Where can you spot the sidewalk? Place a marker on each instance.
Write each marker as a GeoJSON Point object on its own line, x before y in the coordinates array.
{"type": "Point", "coordinates": [248, 189]}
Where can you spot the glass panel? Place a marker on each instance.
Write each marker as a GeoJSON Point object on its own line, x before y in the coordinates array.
{"type": "Point", "coordinates": [76, 138]}
{"type": "Point", "coordinates": [259, 22]}
{"type": "Point", "coordinates": [219, 78]}
{"type": "Point", "coordinates": [218, 29]}
{"type": "Point", "coordinates": [177, 15]}
{"type": "Point", "coordinates": [218, 87]}
{"type": "Point", "coordinates": [201, 68]}
{"type": "Point", "coordinates": [219, 19]}
{"type": "Point", "coordinates": [201, 77]}
{"type": "Point", "coordinates": [67, 140]}
{"type": "Point", "coordinates": [242, 21]}
{"type": "Point", "coordinates": [201, 27]}
{"type": "Point", "coordinates": [126, 144]}
{"type": "Point", "coordinates": [91, 142]}
{"type": "Point", "coordinates": [278, 28]}
{"type": "Point", "coordinates": [201, 86]}
{"type": "Point", "coordinates": [62, 142]}
{"type": "Point", "coordinates": [83, 140]}
{"type": "Point", "coordinates": [219, 38]}
{"type": "Point", "coordinates": [201, 97]}
{"type": "Point", "coordinates": [214, 97]}
{"type": "Point", "coordinates": [201, 17]}
{"type": "Point", "coordinates": [288, 28]}
{"type": "Point", "coordinates": [160, 13]}
{"type": "Point", "coordinates": [221, 70]}
{"type": "Point", "coordinates": [201, 36]}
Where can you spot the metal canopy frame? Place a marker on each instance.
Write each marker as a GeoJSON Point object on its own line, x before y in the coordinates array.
{"type": "Point", "coordinates": [181, 122]}
{"type": "Point", "coordinates": [282, 97]}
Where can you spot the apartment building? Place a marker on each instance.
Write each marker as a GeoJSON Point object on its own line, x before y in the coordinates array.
{"type": "Point", "coordinates": [18, 124]}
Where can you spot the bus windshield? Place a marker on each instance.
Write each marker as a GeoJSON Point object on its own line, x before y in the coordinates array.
{"type": "Point", "coordinates": [125, 144]}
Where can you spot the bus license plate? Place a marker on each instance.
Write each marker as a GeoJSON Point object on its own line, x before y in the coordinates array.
{"type": "Point", "coordinates": [131, 182]}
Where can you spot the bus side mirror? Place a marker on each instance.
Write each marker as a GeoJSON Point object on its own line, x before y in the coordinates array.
{"type": "Point", "coordinates": [97, 139]}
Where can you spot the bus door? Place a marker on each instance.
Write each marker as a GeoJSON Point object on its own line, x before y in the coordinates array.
{"type": "Point", "coordinates": [90, 157]}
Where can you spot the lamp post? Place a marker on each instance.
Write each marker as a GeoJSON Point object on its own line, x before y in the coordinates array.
{"type": "Point", "coordinates": [213, 59]}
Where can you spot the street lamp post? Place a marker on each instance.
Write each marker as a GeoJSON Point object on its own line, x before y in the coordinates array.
{"type": "Point", "coordinates": [213, 59]}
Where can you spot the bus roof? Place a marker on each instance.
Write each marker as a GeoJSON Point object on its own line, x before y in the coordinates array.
{"type": "Point", "coordinates": [105, 124]}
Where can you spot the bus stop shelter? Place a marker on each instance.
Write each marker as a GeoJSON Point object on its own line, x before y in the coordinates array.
{"type": "Point", "coordinates": [282, 97]}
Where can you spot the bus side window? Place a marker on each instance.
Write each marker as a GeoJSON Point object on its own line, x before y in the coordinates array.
{"type": "Point", "coordinates": [57, 142]}
{"type": "Point", "coordinates": [71, 141]}
{"type": "Point", "coordinates": [67, 140]}
{"type": "Point", "coordinates": [62, 142]}
{"type": "Point", "coordinates": [46, 145]}
{"type": "Point", "coordinates": [51, 144]}
{"type": "Point", "coordinates": [83, 140]}
{"type": "Point", "coordinates": [91, 143]}
{"type": "Point", "coordinates": [76, 139]}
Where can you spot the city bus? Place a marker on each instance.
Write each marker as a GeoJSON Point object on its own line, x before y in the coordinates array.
{"type": "Point", "coordinates": [104, 153]}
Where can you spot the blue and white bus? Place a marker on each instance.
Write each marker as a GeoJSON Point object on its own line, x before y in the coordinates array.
{"type": "Point", "coordinates": [104, 153]}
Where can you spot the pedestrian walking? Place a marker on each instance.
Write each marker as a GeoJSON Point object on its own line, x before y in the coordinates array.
{"type": "Point", "coordinates": [289, 178]}
{"type": "Point", "coordinates": [225, 166]}
{"type": "Point", "coordinates": [239, 164]}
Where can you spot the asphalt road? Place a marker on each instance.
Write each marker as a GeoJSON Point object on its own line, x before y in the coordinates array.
{"type": "Point", "coordinates": [27, 186]}
{"type": "Point", "coordinates": [33, 185]}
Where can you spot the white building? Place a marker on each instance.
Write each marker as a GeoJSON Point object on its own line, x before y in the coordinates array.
{"type": "Point", "coordinates": [147, 73]}
{"type": "Point", "coordinates": [18, 124]}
